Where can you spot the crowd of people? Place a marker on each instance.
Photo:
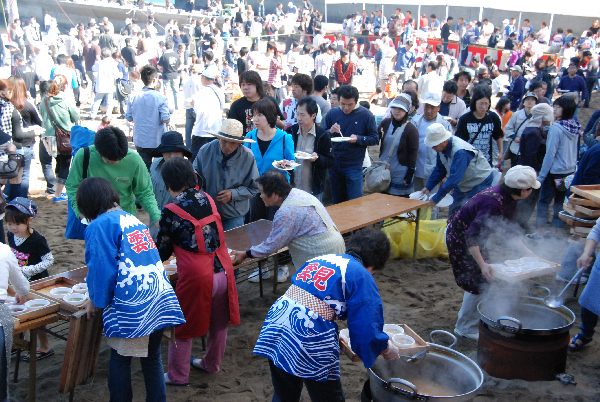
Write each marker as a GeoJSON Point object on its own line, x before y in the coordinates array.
{"type": "Point", "coordinates": [275, 135]}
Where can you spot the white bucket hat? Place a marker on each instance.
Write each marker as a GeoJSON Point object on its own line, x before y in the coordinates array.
{"type": "Point", "coordinates": [436, 134]}
{"type": "Point", "coordinates": [231, 130]}
{"type": "Point", "coordinates": [521, 177]}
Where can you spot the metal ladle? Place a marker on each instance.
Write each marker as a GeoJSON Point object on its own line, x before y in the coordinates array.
{"type": "Point", "coordinates": [556, 301]}
{"type": "Point", "coordinates": [416, 358]}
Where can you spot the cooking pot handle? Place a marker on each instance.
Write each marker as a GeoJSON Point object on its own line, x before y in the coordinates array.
{"type": "Point", "coordinates": [539, 287]}
{"type": "Point", "coordinates": [407, 394]}
{"type": "Point", "coordinates": [508, 327]}
{"type": "Point", "coordinates": [439, 331]}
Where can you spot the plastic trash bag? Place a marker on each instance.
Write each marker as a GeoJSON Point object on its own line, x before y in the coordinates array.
{"type": "Point", "coordinates": [431, 238]}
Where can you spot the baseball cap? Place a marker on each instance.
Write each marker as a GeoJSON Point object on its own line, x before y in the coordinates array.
{"type": "Point", "coordinates": [24, 205]}
{"type": "Point", "coordinates": [530, 94]}
{"type": "Point", "coordinates": [402, 101]}
{"type": "Point", "coordinates": [210, 72]}
{"type": "Point", "coordinates": [517, 68]}
{"type": "Point", "coordinates": [432, 99]}
{"type": "Point", "coordinates": [521, 177]}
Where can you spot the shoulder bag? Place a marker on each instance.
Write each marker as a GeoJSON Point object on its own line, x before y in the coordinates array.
{"type": "Point", "coordinates": [507, 152]}
{"type": "Point", "coordinates": [63, 137]}
{"type": "Point", "coordinates": [377, 176]}
{"type": "Point", "coordinates": [10, 165]}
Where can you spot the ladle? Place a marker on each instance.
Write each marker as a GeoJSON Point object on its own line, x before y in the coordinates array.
{"type": "Point", "coordinates": [556, 301]}
{"type": "Point", "coordinates": [416, 358]}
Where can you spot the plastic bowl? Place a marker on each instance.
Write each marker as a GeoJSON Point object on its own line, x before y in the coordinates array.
{"type": "Point", "coordinates": [37, 303]}
{"type": "Point", "coordinates": [529, 260]}
{"type": "Point", "coordinates": [345, 335]}
{"type": "Point", "coordinates": [403, 341]}
{"type": "Point", "coordinates": [512, 270]}
{"type": "Point", "coordinates": [17, 309]}
{"type": "Point", "coordinates": [392, 329]}
{"type": "Point", "coordinates": [513, 263]}
{"type": "Point", "coordinates": [170, 268]}
{"type": "Point", "coordinates": [76, 299]}
{"type": "Point", "coordinates": [60, 292]}
{"type": "Point", "coordinates": [80, 288]}
{"type": "Point", "coordinates": [10, 300]}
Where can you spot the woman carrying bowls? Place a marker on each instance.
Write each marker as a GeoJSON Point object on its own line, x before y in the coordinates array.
{"type": "Point", "coordinates": [468, 231]}
{"type": "Point", "coordinates": [126, 278]}
{"type": "Point", "coordinates": [191, 227]}
{"type": "Point", "coordinates": [300, 336]}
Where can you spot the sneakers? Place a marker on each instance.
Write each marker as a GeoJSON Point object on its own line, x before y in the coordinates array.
{"type": "Point", "coordinates": [582, 280]}
{"type": "Point", "coordinates": [266, 274]}
{"type": "Point", "coordinates": [63, 197]}
{"type": "Point", "coordinates": [473, 337]}
{"type": "Point", "coordinates": [282, 274]}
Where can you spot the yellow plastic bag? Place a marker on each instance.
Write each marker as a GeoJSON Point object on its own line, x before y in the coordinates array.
{"type": "Point", "coordinates": [431, 238]}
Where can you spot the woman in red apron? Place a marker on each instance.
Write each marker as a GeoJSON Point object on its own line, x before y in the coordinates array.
{"type": "Point", "coordinates": [191, 228]}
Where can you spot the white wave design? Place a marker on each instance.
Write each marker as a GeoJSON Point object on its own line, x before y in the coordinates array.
{"type": "Point", "coordinates": [128, 221]}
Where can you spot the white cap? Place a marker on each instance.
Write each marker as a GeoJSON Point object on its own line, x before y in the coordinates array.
{"type": "Point", "coordinates": [210, 72]}
{"type": "Point", "coordinates": [436, 134]}
{"type": "Point", "coordinates": [432, 99]}
{"type": "Point", "coordinates": [521, 177]}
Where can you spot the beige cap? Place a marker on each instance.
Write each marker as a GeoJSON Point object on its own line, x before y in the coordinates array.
{"type": "Point", "coordinates": [436, 134]}
{"type": "Point", "coordinates": [521, 177]}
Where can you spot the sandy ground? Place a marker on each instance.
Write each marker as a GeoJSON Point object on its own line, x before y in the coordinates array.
{"type": "Point", "coordinates": [422, 294]}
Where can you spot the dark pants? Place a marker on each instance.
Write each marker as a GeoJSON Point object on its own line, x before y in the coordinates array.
{"type": "Point", "coordinates": [463, 55]}
{"type": "Point", "coordinates": [119, 373]}
{"type": "Point", "coordinates": [146, 155]}
{"type": "Point", "coordinates": [288, 387]}
{"type": "Point", "coordinates": [63, 162]}
{"type": "Point", "coordinates": [258, 210]}
{"type": "Point", "coordinates": [190, 120]}
{"type": "Point", "coordinates": [445, 43]}
{"type": "Point", "coordinates": [590, 83]}
{"type": "Point", "coordinates": [197, 143]}
{"type": "Point", "coordinates": [547, 194]}
{"type": "Point", "coordinates": [46, 162]}
{"type": "Point", "coordinates": [589, 321]}
{"type": "Point", "coordinates": [122, 103]}
{"type": "Point", "coordinates": [346, 184]}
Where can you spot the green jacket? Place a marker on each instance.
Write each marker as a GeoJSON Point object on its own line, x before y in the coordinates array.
{"type": "Point", "coordinates": [65, 114]}
{"type": "Point", "coordinates": [129, 177]}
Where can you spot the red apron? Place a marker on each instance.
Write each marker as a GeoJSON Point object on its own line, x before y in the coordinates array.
{"type": "Point", "coordinates": [195, 278]}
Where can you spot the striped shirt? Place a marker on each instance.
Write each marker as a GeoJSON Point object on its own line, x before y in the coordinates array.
{"type": "Point", "coordinates": [275, 70]}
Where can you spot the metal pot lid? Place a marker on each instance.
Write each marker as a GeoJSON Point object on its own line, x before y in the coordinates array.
{"type": "Point", "coordinates": [530, 312]}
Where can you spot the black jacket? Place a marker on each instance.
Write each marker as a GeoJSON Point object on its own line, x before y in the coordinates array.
{"type": "Point", "coordinates": [324, 161]}
{"type": "Point", "coordinates": [445, 32]}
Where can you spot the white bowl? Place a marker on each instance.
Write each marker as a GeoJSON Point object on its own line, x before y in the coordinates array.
{"type": "Point", "coordinates": [529, 260]}
{"type": "Point", "coordinates": [170, 268]}
{"type": "Point", "coordinates": [60, 292]}
{"type": "Point", "coordinates": [403, 341]}
{"type": "Point", "coordinates": [76, 299]}
{"type": "Point", "coordinates": [392, 329]}
{"type": "Point", "coordinates": [37, 303]}
{"type": "Point", "coordinates": [512, 270]}
{"type": "Point", "coordinates": [80, 288]}
{"type": "Point", "coordinates": [17, 309]}
{"type": "Point", "coordinates": [10, 300]}
{"type": "Point", "coordinates": [513, 263]}
{"type": "Point", "coordinates": [528, 267]}
{"type": "Point", "coordinates": [345, 335]}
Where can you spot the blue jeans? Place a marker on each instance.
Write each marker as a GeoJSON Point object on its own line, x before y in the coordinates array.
{"type": "Point", "coordinates": [547, 194]}
{"type": "Point", "coordinates": [589, 321]}
{"type": "Point", "coordinates": [46, 162]}
{"type": "Point", "coordinates": [346, 184]}
{"type": "Point", "coordinates": [190, 120]}
{"type": "Point", "coordinates": [119, 373]}
{"type": "Point", "coordinates": [288, 387]}
{"type": "Point", "coordinates": [172, 83]}
{"type": "Point", "coordinates": [261, 10]}
{"type": "Point", "coordinates": [101, 98]}
{"type": "Point", "coordinates": [569, 263]}
{"type": "Point", "coordinates": [461, 198]}
{"type": "Point", "coordinates": [232, 223]}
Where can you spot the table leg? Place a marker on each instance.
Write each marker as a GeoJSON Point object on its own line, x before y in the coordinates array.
{"type": "Point", "coordinates": [32, 363]}
{"type": "Point", "coordinates": [275, 272]}
{"type": "Point", "coordinates": [416, 234]}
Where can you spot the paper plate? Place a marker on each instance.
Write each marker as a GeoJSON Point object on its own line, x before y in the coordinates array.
{"type": "Point", "coordinates": [417, 195]}
{"type": "Point", "coordinates": [340, 139]}
{"type": "Point", "coordinates": [447, 118]}
{"type": "Point", "coordinates": [292, 167]}
{"type": "Point", "coordinates": [444, 202]}
{"type": "Point", "coordinates": [302, 155]}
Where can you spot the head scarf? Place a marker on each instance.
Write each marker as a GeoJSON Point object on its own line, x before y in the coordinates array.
{"type": "Point", "coordinates": [540, 113]}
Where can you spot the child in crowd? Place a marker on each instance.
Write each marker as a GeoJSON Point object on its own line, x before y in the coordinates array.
{"type": "Point", "coordinates": [227, 73]}
{"type": "Point", "coordinates": [391, 88]}
{"type": "Point", "coordinates": [104, 123]}
{"type": "Point", "coordinates": [32, 252]}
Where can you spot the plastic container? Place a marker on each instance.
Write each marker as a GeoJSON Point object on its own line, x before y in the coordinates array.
{"type": "Point", "coordinates": [76, 299]}
{"type": "Point", "coordinates": [17, 309]}
{"type": "Point", "coordinates": [61, 292]}
{"type": "Point", "coordinates": [37, 303]}
{"type": "Point", "coordinates": [392, 329]}
{"type": "Point", "coordinates": [403, 341]}
{"type": "Point", "coordinates": [80, 288]}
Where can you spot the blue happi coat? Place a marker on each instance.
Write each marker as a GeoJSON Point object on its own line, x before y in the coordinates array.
{"type": "Point", "coordinates": [302, 343]}
{"type": "Point", "coordinates": [126, 277]}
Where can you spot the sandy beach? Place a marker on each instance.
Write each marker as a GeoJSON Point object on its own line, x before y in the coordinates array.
{"type": "Point", "coordinates": [422, 294]}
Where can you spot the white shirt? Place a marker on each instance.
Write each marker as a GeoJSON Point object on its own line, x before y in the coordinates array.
{"type": "Point", "coordinates": [11, 273]}
{"type": "Point", "coordinates": [43, 65]}
{"type": "Point", "coordinates": [305, 64]}
{"type": "Point", "coordinates": [288, 108]}
{"type": "Point", "coordinates": [566, 54]}
{"type": "Point", "coordinates": [544, 35]}
{"type": "Point", "coordinates": [488, 29]}
{"type": "Point", "coordinates": [323, 64]}
{"type": "Point", "coordinates": [208, 105]}
{"type": "Point", "coordinates": [191, 87]}
{"type": "Point", "coordinates": [430, 82]}
{"type": "Point", "coordinates": [106, 72]}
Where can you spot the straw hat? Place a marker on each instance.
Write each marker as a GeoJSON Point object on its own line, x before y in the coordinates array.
{"type": "Point", "coordinates": [231, 130]}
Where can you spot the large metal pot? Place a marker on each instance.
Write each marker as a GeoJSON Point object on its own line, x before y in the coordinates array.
{"type": "Point", "coordinates": [444, 374]}
{"type": "Point", "coordinates": [529, 318]}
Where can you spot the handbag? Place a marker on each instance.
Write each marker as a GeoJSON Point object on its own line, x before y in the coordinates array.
{"type": "Point", "coordinates": [63, 137]}
{"type": "Point", "coordinates": [124, 88]}
{"type": "Point", "coordinates": [378, 176]}
{"type": "Point", "coordinates": [507, 153]}
{"type": "Point", "coordinates": [10, 165]}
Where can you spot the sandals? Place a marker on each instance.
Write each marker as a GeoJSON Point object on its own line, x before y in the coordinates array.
{"type": "Point", "coordinates": [196, 363]}
{"type": "Point", "coordinates": [40, 355]}
{"type": "Point", "coordinates": [579, 342]}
